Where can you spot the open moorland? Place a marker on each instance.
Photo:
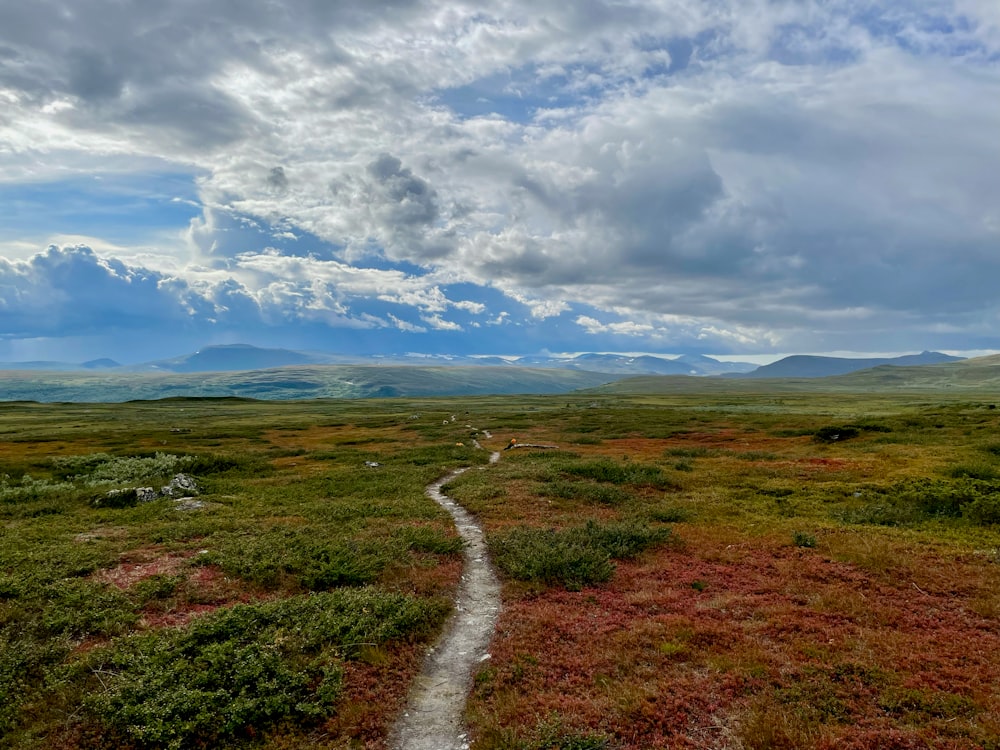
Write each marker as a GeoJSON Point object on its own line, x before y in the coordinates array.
{"type": "Point", "coordinates": [723, 569]}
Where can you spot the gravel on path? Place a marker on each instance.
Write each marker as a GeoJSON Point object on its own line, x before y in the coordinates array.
{"type": "Point", "coordinates": [432, 719]}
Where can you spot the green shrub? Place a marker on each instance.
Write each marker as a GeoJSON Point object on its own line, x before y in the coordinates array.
{"type": "Point", "coordinates": [574, 557]}
{"type": "Point", "coordinates": [234, 673]}
{"type": "Point", "coordinates": [29, 489]}
{"type": "Point", "coordinates": [76, 607]}
{"type": "Point", "coordinates": [211, 463]}
{"type": "Point", "coordinates": [306, 556]}
{"type": "Point", "coordinates": [619, 473]}
{"type": "Point", "coordinates": [428, 539]}
{"type": "Point", "coordinates": [910, 702]}
{"type": "Point", "coordinates": [103, 469]}
{"type": "Point", "coordinates": [553, 735]}
{"type": "Point", "coordinates": [623, 540]}
{"type": "Point", "coordinates": [553, 558]}
{"type": "Point", "coordinates": [917, 500]}
{"type": "Point", "coordinates": [978, 470]}
{"type": "Point", "coordinates": [803, 539]}
{"type": "Point", "coordinates": [835, 434]}
{"type": "Point", "coordinates": [585, 492]}
{"type": "Point", "coordinates": [984, 510]}
{"type": "Point", "coordinates": [24, 660]}
{"type": "Point", "coordinates": [155, 587]}
{"type": "Point", "coordinates": [672, 514]}
{"type": "Point", "coordinates": [696, 452]}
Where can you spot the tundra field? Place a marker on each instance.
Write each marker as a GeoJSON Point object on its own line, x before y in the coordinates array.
{"type": "Point", "coordinates": [720, 570]}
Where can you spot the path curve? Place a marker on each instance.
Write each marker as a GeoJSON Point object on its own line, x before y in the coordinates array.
{"type": "Point", "coordinates": [432, 719]}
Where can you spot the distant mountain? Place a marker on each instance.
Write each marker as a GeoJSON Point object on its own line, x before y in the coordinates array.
{"type": "Point", "coordinates": [709, 366]}
{"type": "Point", "coordinates": [980, 376]}
{"type": "Point", "coordinates": [100, 364]}
{"type": "Point", "coordinates": [237, 357]}
{"type": "Point", "coordinates": [807, 366]}
{"type": "Point", "coordinates": [230, 358]}
{"type": "Point", "coordinates": [623, 364]}
{"type": "Point", "coordinates": [294, 382]}
{"type": "Point", "coordinates": [620, 364]}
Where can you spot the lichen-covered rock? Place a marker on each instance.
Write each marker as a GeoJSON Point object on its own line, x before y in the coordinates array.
{"type": "Point", "coordinates": [184, 483]}
{"type": "Point", "coordinates": [127, 497]}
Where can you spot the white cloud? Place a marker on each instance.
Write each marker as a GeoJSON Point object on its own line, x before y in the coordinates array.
{"type": "Point", "coordinates": [750, 173]}
{"type": "Point", "coordinates": [625, 328]}
{"type": "Point", "coordinates": [439, 324]}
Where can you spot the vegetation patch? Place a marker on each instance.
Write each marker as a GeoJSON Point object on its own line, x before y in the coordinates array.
{"type": "Point", "coordinates": [625, 472]}
{"type": "Point", "coordinates": [244, 668]}
{"type": "Point", "coordinates": [836, 434]}
{"type": "Point", "coordinates": [574, 557]}
{"type": "Point", "coordinates": [915, 501]}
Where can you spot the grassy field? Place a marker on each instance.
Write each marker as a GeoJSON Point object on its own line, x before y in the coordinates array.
{"type": "Point", "coordinates": [724, 569]}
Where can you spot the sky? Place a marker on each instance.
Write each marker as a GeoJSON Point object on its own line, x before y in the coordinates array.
{"type": "Point", "coordinates": [726, 177]}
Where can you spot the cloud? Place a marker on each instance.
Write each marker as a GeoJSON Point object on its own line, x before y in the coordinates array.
{"type": "Point", "coordinates": [628, 328]}
{"type": "Point", "coordinates": [72, 291]}
{"type": "Point", "coordinates": [676, 173]}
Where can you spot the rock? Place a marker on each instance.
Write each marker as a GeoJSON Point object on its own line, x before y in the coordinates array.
{"type": "Point", "coordinates": [188, 503]}
{"type": "Point", "coordinates": [129, 496]}
{"type": "Point", "coordinates": [146, 494]}
{"type": "Point", "coordinates": [183, 482]}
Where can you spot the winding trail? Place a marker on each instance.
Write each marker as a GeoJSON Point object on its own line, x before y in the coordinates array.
{"type": "Point", "coordinates": [432, 719]}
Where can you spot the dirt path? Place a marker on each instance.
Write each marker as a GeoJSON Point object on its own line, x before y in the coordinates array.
{"type": "Point", "coordinates": [433, 717]}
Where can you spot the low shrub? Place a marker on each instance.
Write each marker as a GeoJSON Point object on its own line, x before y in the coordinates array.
{"type": "Point", "coordinates": [28, 489]}
{"type": "Point", "coordinates": [835, 434]}
{"type": "Point", "coordinates": [584, 492]}
{"type": "Point", "coordinates": [618, 473]}
{"type": "Point", "coordinates": [232, 674]}
{"type": "Point", "coordinates": [104, 469]}
{"type": "Point", "coordinates": [77, 607]}
{"type": "Point", "coordinates": [575, 557]}
{"type": "Point", "coordinates": [302, 556]}
{"type": "Point", "coordinates": [917, 500]}
{"type": "Point", "coordinates": [977, 470]}
{"type": "Point", "coordinates": [696, 452]}
{"type": "Point", "coordinates": [670, 514]}
{"type": "Point", "coordinates": [803, 539]}
{"type": "Point", "coordinates": [552, 558]}
{"type": "Point", "coordinates": [428, 539]}
{"type": "Point", "coordinates": [911, 702]}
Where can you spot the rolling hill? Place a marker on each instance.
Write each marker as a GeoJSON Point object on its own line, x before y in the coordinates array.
{"type": "Point", "coordinates": [293, 382]}
{"type": "Point", "coordinates": [980, 375]}
{"type": "Point", "coordinates": [811, 366]}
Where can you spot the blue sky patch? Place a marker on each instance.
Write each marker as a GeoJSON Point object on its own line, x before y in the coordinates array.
{"type": "Point", "coordinates": [120, 208]}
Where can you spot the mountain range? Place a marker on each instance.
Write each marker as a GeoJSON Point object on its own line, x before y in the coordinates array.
{"type": "Point", "coordinates": [236, 357]}
{"type": "Point", "coordinates": [251, 372]}
{"type": "Point", "coordinates": [809, 366]}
